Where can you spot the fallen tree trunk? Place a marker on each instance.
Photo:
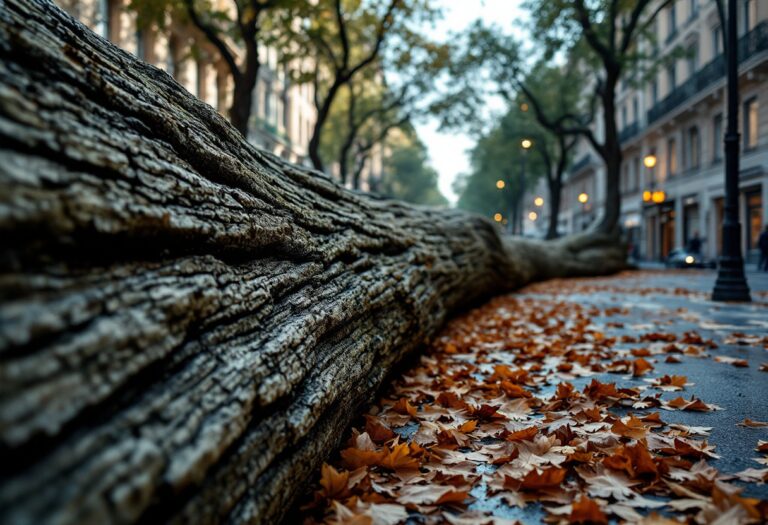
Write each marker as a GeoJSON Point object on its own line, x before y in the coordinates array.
{"type": "Point", "coordinates": [188, 323]}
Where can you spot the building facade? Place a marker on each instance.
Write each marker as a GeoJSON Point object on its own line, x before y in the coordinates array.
{"type": "Point", "coordinates": [671, 129]}
{"type": "Point", "coordinates": [283, 113]}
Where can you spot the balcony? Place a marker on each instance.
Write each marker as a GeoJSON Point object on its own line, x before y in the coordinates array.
{"type": "Point", "coordinates": [750, 44]}
{"type": "Point", "coordinates": [628, 132]}
{"type": "Point", "coordinates": [582, 163]}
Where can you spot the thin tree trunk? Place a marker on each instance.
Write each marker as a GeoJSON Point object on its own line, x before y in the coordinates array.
{"type": "Point", "coordinates": [322, 116]}
{"type": "Point", "coordinates": [188, 323]}
{"type": "Point", "coordinates": [612, 156]}
{"type": "Point", "coordinates": [554, 185]}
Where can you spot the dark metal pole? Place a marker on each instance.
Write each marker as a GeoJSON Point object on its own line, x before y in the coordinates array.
{"type": "Point", "coordinates": [731, 284]}
{"type": "Point", "coordinates": [521, 193]}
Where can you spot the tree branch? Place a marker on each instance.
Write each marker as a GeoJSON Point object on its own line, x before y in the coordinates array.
{"type": "Point", "coordinates": [213, 38]}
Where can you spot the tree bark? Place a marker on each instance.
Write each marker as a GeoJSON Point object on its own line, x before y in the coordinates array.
{"type": "Point", "coordinates": [188, 323]}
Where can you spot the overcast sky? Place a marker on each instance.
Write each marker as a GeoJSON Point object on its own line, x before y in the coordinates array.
{"type": "Point", "coordinates": [448, 151]}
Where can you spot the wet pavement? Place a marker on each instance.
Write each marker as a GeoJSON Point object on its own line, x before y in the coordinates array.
{"type": "Point", "coordinates": [676, 302]}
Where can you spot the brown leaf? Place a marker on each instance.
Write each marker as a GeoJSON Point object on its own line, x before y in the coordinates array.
{"type": "Point", "coordinates": [333, 482]}
{"type": "Point", "coordinates": [752, 424]}
{"type": "Point", "coordinates": [404, 407]}
{"type": "Point", "coordinates": [586, 510]}
{"type": "Point", "coordinates": [379, 432]}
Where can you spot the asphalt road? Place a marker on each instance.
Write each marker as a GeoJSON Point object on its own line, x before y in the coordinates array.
{"type": "Point", "coordinates": [677, 301]}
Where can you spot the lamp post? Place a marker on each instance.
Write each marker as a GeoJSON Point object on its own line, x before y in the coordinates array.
{"type": "Point", "coordinates": [731, 284]}
{"type": "Point", "coordinates": [526, 145]}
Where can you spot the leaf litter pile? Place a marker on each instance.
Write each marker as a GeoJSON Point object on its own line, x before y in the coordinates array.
{"type": "Point", "coordinates": [491, 418]}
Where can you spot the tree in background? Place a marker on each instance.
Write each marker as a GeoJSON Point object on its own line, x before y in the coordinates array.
{"type": "Point", "coordinates": [498, 156]}
{"type": "Point", "coordinates": [346, 38]}
{"type": "Point", "coordinates": [242, 22]}
{"type": "Point", "coordinates": [396, 89]}
{"type": "Point", "coordinates": [609, 30]}
{"type": "Point", "coordinates": [407, 174]}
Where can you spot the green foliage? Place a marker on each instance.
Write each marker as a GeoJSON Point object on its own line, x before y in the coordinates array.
{"type": "Point", "coordinates": [407, 173]}
{"type": "Point", "coordinates": [498, 155]}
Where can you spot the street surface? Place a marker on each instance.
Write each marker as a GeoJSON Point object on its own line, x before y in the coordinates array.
{"type": "Point", "coordinates": [570, 401]}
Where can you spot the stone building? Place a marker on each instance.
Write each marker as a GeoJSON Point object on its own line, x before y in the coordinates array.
{"type": "Point", "coordinates": [283, 113]}
{"type": "Point", "coordinates": [671, 129]}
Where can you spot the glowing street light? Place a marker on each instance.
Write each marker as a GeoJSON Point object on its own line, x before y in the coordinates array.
{"type": "Point", "coordinates": [533, 216]}
{"type": "Point", "coordinates": [526, 144]}
{"type": "Point", "coordinates": [647, 196]}
{"type": "Point", "coordinates": [538, 201]}
{"type": "Point", "coordinates": [583, 198]}
{"type": "Point", "coordinates": [497, 217]}
{"type": "Point", "coordinates": [649, 161]}
{"type": "Point", "coordinates": [658, 197]}
{"type": "Point", "coordinates": [523, 107]}
{"type": "Point", "coordinates": [500, 184]}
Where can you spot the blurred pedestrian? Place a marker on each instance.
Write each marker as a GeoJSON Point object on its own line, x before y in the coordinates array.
{"type": "Point", "coordinates": [763, 244]}
{"type": "Point", "coordinates": [694, 244]}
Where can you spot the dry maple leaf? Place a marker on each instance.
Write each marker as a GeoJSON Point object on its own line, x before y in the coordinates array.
{"type": "Point", "coordinates": [641, 366]}
{"type": "Point", "coordinates": [630, 427]}
{"type": "Point", "coordinates": [741, 363]}
{"type": "Point", "coordinates": [539, 480]}
{"type": "Point", "coordinates": [603, 483]}
{"type": "Point", "coordinates": [333, 482]}
{"type": "Point", "coordinates": [399, 457]}
{"type": "Point", "coordinates": [585, 510]}
{"type": "Point", "coordinates": [752, 424]}
{"type": "Point", "coordinates": [404, 407]}
{"type": "Point", "coordinates": [379, 432]}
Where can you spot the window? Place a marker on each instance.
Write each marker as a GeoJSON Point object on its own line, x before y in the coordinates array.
{"type": "Point", "coordinates": [717, 137]}
{"type": "Point", "coordinates": [671, 157]}
{"type": "Point", "coordinates": [717, 41]}
{"type": "Point", "coordinates": [636, 173]}
{"type": "Point", "coordinates": [692, 148]}
{"type": "Point", "coordinates": [750, 14]}
{"type": "Point", "coordinates": [750, 123]}
{"type": "Point", "coordinates": [693, 8]}
{"type": "Point", "coordinates": [671, 21]}
{"type": "Point", "coordinates": [636, 109]}
{"type": "Point", "coordinates": [754, 209]}
{"type": "Point", "coordinates": [654, 91]}
{"type": "Point", "coordinates": [671, 77]}
{"type": "Point", "coordinates": [692, 59]}
{"type": "Point", "coordinates": [623, 116]}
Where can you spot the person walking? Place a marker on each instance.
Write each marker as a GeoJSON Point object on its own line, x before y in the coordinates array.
{"type": "Point", "coordinates": [763, 244]}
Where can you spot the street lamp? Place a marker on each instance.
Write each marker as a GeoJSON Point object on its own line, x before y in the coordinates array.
{"type": "Point", "coordinates": [649, 161]}
{"type": "Point", "coordinates": [497, 217]}
{"type": "Point", "coordinates": [500, 184]}
{"type": "Point", "coordinates": [538, 201]}
{"type": "Point", "coordinates": [526, 144]}
{"type": "Point", "coordinates": [583, 198]}
{"type": "Point", "coordinates": [533, 216]}
{"type": "Point", "coordinates": [731, 284]}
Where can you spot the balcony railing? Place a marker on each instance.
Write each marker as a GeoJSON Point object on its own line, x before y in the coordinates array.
{"type": "Point", "coordinates": [629, 131]}
{"type": "Point", "coordinates": [750, 44]}
{"type": "Point", "coordinates": [582, 163]}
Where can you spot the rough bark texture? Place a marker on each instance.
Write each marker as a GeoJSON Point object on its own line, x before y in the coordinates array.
{"type": "Point", "coordinates": [188, 323]}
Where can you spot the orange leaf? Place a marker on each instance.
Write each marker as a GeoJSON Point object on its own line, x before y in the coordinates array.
{"type": "Point", "coordinates": [753, 424]}
{"type": "Point", "coordinates": [469, 426]}
{"type": "Point", "coordinates": [550, 478]}
{"type": "Point", "coordinates": [333, 482]}
{"type": "Point", "coordinates": [640, 366]}
{"type": "Point", "coordinates": [525, 434]}
{"type": "Point", "coordinates": [586, 510]}
{"type": "Point", "coordinates": [354, 458]}
{"type": "Point", "coordinates": [514, 391]}
{"type": "Point", "coordinates": [399, 458]}
{"type": "Point", "coordinates": [453, 496]}
{"type": "Point", "coordinates": [378, 431]}
{"type": "Point", "coordinates": [404, 407]}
